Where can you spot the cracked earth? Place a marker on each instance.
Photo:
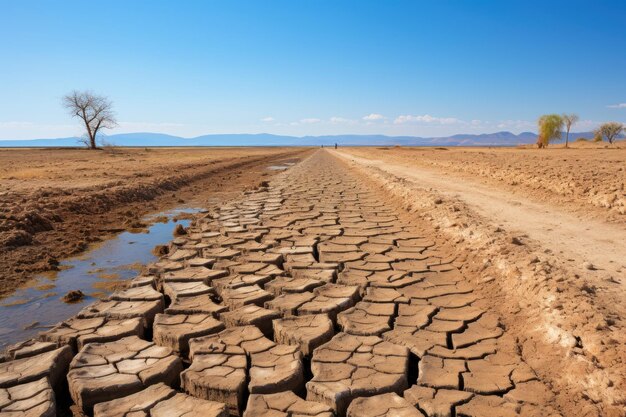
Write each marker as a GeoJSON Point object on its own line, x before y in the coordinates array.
{"type": "Point", "coordinates": [313, 296]}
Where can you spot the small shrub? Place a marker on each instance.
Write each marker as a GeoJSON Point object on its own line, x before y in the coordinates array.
{"type": "Point", "coordinates": [582, 140]}
{"type": "Point", "coordinates": [610, 130]}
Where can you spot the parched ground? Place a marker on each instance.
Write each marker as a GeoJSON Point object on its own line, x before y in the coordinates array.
{"type": "Point", "coordinates": [334, 290]}
{"type": "Point", "coordinates": [586, 179]}
{"type": "Point", "coordinates": [532, 227]}
{"type": "Point", "coordinates": [54, 202]}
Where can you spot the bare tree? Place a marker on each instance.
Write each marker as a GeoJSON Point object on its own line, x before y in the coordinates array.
{"type": "Point", "coordinates": [95, 111]}
{"type": "Point", "coordinates": [610, 131]}
{"type": "Point", "coordinates": [550, 126]}
{"type": "Point", "coordinates": [569, 120]}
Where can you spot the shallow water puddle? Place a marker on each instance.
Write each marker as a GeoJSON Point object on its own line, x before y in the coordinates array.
{"type": "Point", "coordinates": [283, 165]}
{"type": "Point", "coordinates": [38, 304]}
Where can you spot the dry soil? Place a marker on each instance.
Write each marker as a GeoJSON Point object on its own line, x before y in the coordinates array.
{"type": "Point", "coordinates": [544, 231]}
{"type": "Point", "coordinates": [55, 202]}
{"type": "Point", "coordinates": [374, 282]}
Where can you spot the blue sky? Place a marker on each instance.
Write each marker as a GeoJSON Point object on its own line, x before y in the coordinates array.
{"type": "Point", "coordinates": [424, 68]}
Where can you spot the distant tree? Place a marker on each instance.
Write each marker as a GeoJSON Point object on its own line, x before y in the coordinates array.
{"type": "Point", "coordinates": [610, 131]}
{"type": "Point", "coordinates": [569, 120]}
{"type": "Point", "coordinates": [95, 111]}
{"type": "Point", "coordinates": [550, 127]}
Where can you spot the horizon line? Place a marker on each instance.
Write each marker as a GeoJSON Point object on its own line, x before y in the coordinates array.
{"type": "Point", "coordinates": [293, 136]}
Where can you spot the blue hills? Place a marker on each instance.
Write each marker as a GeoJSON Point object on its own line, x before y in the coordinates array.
{"type": "Point", "coordinates": [266, 139]}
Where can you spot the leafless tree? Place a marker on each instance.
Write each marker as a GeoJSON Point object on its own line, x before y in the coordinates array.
{"type": "Point", "coordinates": [95, 111]}
{"type": "Point", "coordinates": [569, 120]}
{"type": "Point", "coordinates": [610, 131]}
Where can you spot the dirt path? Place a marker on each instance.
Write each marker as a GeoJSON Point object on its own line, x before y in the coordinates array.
{"type": "Point", "coordinates": [317, 285]}
{"type": "Point", "coordinates": [589, 183]}
{"type": "Point", "coordinates": [601, 244]}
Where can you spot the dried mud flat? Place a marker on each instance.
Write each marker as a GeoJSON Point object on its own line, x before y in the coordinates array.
{"type": "Point", "coordinates": [554, 261]}
{"type": "Point", "coordinates": [318, 295]}
{"type": "Point", "coordinates": [55, 202]}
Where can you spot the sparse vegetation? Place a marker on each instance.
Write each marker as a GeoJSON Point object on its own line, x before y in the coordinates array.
{"type": "Point", "coordinates": [550, 127]}
{"type": "Point", "coordinates": [568, 121]}
{"type": "Point", "coordinates": [610, 131]}
{"type": "Point", "coordinates": [95, 111]}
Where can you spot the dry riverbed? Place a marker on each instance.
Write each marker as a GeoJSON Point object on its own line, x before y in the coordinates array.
{"type": "Point", "coordinates": [346, 277]}
{"type": "Point", "coordinates": [55, 202]}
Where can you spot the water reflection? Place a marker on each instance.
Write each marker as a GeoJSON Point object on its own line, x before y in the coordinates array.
{"type": "Point", "coordinates": [38, 305]}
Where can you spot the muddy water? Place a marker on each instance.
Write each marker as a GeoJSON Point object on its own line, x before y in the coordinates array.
{"type": "Point", "coordinates": [39, 305]}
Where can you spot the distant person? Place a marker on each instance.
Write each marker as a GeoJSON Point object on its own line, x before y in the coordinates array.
{"type": "Point", "coordinates": [322, 146]}
{"type": "Point", "coordinates": [335, 146]}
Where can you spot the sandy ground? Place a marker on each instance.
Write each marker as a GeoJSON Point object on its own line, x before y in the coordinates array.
{"type": "Point", "coordinates": [55, 202]}
{"type": "Point", "coordinates": [546, 234]}
{"type": "Point", "coordinates": [588, 182]}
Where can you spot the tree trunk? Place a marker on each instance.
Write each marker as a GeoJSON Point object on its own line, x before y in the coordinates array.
{"type": "Point", "coordinates": [540, 143]}
{"type": "Point", "coordinates": [567, 138]}
{"type": "Point", "coordinates": [92, 136]}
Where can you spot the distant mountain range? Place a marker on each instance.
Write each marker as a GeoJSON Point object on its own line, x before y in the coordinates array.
{"type": "Point", "coordinates": [265, 139]}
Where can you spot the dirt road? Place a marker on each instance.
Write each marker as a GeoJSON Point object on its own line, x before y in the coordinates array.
{"type": "Point", "coordinates": [319, 285]}
{"type": "Point", "coordinates": [587, 180]}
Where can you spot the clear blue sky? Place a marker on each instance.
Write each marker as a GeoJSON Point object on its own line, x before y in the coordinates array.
{"type": "Point", "coordinates": [312, 67]}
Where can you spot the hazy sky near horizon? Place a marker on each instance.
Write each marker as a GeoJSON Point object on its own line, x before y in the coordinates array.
{"type": "Point", "coordinates": [422, 68]}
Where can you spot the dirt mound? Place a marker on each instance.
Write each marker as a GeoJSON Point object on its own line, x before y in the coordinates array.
{"type": "Point", "coordinates": [14, 238]}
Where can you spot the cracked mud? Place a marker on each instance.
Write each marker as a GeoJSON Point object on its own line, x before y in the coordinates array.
{"type": "Point", "coordinates": [310, 297]}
